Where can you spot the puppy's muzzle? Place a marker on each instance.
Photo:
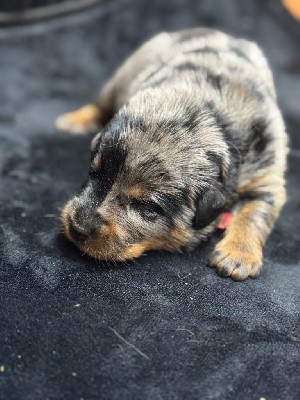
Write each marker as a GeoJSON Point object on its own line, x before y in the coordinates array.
{"type": "Point", "coordinates": [84, 222]}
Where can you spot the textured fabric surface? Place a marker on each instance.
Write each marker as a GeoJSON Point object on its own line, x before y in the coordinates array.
{"type": "Point", "coordinates": [17, 5]}
{"type": "Point", "coordinates": [162, 327]}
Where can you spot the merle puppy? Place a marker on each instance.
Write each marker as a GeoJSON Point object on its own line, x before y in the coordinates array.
{"type": "Point", "coordinates": [191, 128]}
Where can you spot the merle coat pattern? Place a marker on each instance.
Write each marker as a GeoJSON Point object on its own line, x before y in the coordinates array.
{"type": "Point", "coordinates": [191, 128]}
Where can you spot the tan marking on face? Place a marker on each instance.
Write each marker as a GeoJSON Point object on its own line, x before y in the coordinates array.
{"type": "Point", "coordinates": [97, 248]}
{"type": "Point", "coordinates": [137, 249]}
{"type": "Point", "coordinates": [102, 244]}
{"type": "Point", "coordinates": [173, 241]}
{"type": "Point", "coordinates": [96, 162]}
{"type": "Point", "coordinates": [65, 218]}
{"type": "Point", "coordinates": [134, 251]}
{"type": "Point", "coordinates": [110, 229]}
{"type": "Point", "coordinates": [139, 191]}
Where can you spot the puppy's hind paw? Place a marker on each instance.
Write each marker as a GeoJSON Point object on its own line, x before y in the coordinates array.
{"type": "Point", "coordinates": [236, 261]}
{"type": "Point", "coordinates": [79, 122]}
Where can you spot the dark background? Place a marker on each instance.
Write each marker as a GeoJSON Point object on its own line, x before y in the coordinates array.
{"type": "Point", "coordinates": [165, 326]}
{"type": "Point", "coordinates": [21, 5]}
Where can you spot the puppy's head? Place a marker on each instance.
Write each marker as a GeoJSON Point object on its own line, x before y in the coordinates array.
{"type": "Point", "coordinates": [145, 190]}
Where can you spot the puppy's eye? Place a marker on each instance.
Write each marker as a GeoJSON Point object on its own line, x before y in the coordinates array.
{"type": "Point", "coordinates": [148, 209]}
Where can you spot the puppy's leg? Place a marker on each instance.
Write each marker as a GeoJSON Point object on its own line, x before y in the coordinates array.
{"type": "Point", "coordinates": [84, 120]}
{"type": "Point", "coordinates": [239, 253]}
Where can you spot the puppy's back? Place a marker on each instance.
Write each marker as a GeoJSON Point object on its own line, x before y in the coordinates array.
{"type": "Point", "coordinates": [200, 53]}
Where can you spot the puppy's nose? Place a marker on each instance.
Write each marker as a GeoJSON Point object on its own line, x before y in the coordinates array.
{"type": "Point", "coordinates": [81, 230]}
{"type": "Point", "coordinates": [78, 233]}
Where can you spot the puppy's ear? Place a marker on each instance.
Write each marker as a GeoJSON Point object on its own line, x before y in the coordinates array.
{"type": "Point", "coordinates": [209, 204]}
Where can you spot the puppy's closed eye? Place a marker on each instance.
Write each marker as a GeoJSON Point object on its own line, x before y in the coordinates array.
{"type": "Point", "coordinates": [148, 210]}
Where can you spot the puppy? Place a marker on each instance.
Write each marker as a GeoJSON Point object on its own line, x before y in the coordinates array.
{"type": "Point", "coordinates": [191, 129]}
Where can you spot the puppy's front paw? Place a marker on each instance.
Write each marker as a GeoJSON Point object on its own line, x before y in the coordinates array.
{"type": "Point", "coordinates": [79, 122]}
{"type": "Point", "coordinates": [237, 260]}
